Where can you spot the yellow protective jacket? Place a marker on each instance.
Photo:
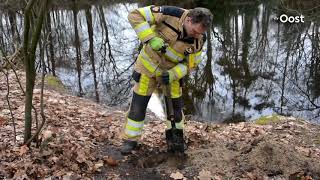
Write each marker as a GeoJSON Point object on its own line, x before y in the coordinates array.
{"type": "Point", "coordinates": [182, 54]}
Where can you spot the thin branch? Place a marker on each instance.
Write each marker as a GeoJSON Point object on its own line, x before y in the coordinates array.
{"type": "Point", "coordinates": [7, 98]}
{"type": "Point", "coordinates": [18, 81]}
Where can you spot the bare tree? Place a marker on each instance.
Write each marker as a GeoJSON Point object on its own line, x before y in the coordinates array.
{"type": "Point", "coordinates": [77, 44]}
{"type": "Point", "coordinates": [14, 31]}
{"type": "Point", "coordinates": [91, 51]}
{"type": "Point", "coordinates": [29, 59]}
{"type": "Point", "coordinates": [51, 59]}
{"type": "Point", "coordinates": [106, 42]}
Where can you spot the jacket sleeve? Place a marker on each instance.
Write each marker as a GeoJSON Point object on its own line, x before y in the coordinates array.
{"type": "Point", "coordinates": [193, 60]}
{"type": "Point", "coordinates": [179, 71]}
{"type": "Point", "coordinates": [182, 69]}
{"type": "Point", "coordinates": [142, 19]}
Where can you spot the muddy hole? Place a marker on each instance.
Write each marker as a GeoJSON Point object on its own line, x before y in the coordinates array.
{"type": "Point", "coordinates": [152, 160]}
{"type": "Point", "coordinates": [163, 159]}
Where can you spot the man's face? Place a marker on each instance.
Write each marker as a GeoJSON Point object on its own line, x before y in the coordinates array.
{"type": "Point", "coordinates": [193, 29]}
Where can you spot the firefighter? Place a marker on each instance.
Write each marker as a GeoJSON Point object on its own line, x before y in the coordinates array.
{"type": "Point", "coordinates": [172, 40]}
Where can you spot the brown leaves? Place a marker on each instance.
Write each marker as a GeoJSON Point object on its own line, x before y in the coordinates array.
{"type": "Point", "coordinates": [20, 174]}
{"type": "Point", "coordinates": [153, 134]}
{"type": "Point", "coordinates": [81, 156]}
{"type": "Point", "coordinates": [75, 128]}
{"type": "Point", "coordinates": [205, 175]}
{"type": "Point", "coordinates": [78, 129]}
{"type": "Point", "coordinates": [98, 165]}
{"type": "Point", "coordinates": [301, 176]}
{"type": "Point", "coordinates": [177, 175]}
{"type": "Point", "coordinates": [23, 150]}
{"type": "Point", "coordinates": [110, 161]}
{"type": "Point", "coordinates": [46, 134]}
{"type": "Point", "coordinates": [199, 134]}
{"type": "Point", "coordinates": [2, 121]}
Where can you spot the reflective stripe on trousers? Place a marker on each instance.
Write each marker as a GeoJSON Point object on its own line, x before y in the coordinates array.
{"type": "Point", "coordinates": [178, 115]}
{"type": "Point", "coordinates": [135, 116]}
{"type": "Point", "coordinates": [133, 128]}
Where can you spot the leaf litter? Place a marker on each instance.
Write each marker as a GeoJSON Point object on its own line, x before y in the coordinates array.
{"type": "Point", "coordinates": [81, 140]}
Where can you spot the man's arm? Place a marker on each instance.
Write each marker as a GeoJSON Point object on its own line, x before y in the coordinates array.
{"type": "Point", "coordinates": [142, 19]}
{"type": "Point", "coordinates": [182, 69]}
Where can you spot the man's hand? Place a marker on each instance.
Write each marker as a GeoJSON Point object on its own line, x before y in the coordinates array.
{"type": "Point", "coordinates": [156, 43]}
{"type": "Point", "coordinates": [166, 77]}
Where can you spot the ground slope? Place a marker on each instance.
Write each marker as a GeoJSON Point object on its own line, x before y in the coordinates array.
{"type": "Point", "coordinates": [81, 140]}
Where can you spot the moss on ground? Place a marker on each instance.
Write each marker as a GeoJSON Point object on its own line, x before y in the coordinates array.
{"type": "Point", "coordinates": [268, 119]}
{"type": "Point", "coordinates": [53, 82]}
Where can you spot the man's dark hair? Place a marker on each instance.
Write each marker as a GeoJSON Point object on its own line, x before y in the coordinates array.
{"type": "Point", "coordinates": [201, 15]}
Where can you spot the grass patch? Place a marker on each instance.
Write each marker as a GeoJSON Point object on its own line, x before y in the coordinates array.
{"type": "Point", "coordinates": [268, 119]}
{"type": "Point", "coordinates": [53, 82]}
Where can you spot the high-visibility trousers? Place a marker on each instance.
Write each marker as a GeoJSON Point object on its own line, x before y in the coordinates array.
{"type": "Point", "coordinates": [142, 91]}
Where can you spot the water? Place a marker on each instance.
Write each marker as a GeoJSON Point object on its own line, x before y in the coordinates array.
{"type": "Point", "coordinates": [253, 66]}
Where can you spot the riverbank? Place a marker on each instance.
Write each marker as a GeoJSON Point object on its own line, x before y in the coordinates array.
{"type": "Point", "coordinates": [81, 140]}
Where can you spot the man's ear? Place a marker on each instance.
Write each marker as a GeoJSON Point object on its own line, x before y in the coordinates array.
{"type": "Point", "coordinates": [188, 19]}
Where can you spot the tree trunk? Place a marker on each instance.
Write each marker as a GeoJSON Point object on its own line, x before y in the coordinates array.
{"type": "Point", "coordinates": [51, 47]}
{"type": "Point", "coordinates": [2, 42]}
{"type": "Point", "coordinates": [14, 31]}
{"type": "Point", "coordinates": [41, 56]}
{"type": "Point", "coordinates": [29, 60]}
{"type": "Point", "coordinates": [284, 77]}
{"type": "Point", "coordinates": [77, 44]}
{"type": "Point", "coordinates": [236, 51]}
{"type": "Point", "coordinates": [91, 51]}
{"type": "Point", "coordinates": [107, 41]}
{"type": "Point", "coordinates": [246, 38]}
{"type": "Point", "coordinates": [208, 76]}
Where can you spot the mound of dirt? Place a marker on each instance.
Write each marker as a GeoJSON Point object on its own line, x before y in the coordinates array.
{"type": "Point", "coordinates": [289, 148]}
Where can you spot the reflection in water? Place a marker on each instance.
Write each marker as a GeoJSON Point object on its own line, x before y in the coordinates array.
{"type": "Point", "coordinates": [253, 65]}
{"type": "Point", "coordinates": [156, 105]}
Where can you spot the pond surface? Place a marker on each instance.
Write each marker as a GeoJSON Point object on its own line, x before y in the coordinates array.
{"type": "Point", "coordinates": [253, 64]}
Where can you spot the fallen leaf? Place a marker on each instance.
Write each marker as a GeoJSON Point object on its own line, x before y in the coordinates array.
{"type": "Point", "coordinates": [20, 174]}
{"type": "Point", "coordinates": [306, 177]}
{"type": "Point", "coordinates": [204, 175]}
{"type": "Point", "coordinates": [54, 159]}
{"type": "Point", "coordinates": [110, 161]}
{"type": "Point", "coordinates": [23, 150]}
{"type": "Point", "coordinates": [46, 134]}
{"type": "Point", "coordinates": [2, 121]}
{"type": "Point", "coordinates": [251, 176]}
{"type": "Point", "coordinates": [81, 157]}
{"type": "Point", "coordinates": [177, 175]}
{"type": "Point", "coordinates": [74, 167]}
{"type": "Point", "coordinates": [98, 165]}
{"type": "Point", "coordinates": [5, 112]}
{"type": "Point", "coordinates": [114, 177]}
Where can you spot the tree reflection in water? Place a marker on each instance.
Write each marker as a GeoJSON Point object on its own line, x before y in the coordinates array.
{"type": "Point", "coordinates": [252, 65]}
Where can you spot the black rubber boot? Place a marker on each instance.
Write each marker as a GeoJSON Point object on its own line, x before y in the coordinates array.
{"type": "Point", "coordinates": [128, 146]}
{"type": "Point", "coordinates": [175, 141]}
